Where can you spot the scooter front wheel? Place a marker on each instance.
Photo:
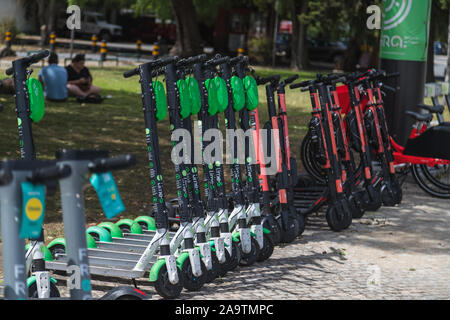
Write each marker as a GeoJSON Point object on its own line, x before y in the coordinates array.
{"type": "Point", "coordinates": [191, 281]}
{"type": "Point", "coordinates": [165, 288]}
{"type": "Point", "coordinates": [289, 235]}
{"type": "Point", "coordinates": [338, 216]}
{"type": "Point", "coordinates": [33, 291]}
{"type": "Point", "coordinates": [267, 249]}
{"type": "Point", "coordinates": [216, 269]}
{"type": "Point", "coordinates": [247, 259]}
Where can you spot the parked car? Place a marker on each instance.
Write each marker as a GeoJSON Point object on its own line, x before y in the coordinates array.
{"type": "Point", "coordinates": [93, 23]}
{"type": "Point", "coordinates": [318, 49]}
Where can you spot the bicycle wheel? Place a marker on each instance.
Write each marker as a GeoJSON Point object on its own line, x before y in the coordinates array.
{"type": "Point", "coordinates": [308, 156]}
{"type": "Point", "coordinates": [420, 175]}
{"type": "Point", "coordinates": [438, 175]}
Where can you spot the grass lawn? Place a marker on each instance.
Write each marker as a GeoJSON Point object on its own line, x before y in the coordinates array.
{"type": "Point", "coordinates": [117, 125]}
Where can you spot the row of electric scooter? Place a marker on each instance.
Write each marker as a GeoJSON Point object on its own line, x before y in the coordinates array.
{"type": "Point", "coordinates": [216, 231]}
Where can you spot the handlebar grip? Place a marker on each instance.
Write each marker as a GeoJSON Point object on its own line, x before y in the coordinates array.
{"type": "Point", "coordinates": [304, 89]}
{"type": "Point", "coordinates": [9, 71]}
{"type": "Point", "coordinates": [37, 56]}
{"type": "Point", "coordinates": [116, 163]}
{"type": "Point", "coordinates": [130, 73]}
{"type": "Point", "coordinates": [46, 174]}
{"type": "Point", "coordinates": [217, 61]}
{"type": "Point", "coordinates": [163, 61]}
{"type": "Point", "coordinates": [291, 79]}
{"type": "Point", "coordinates": [261, 81]}
{"type": "Point", "coordinates": [392, 89]}
{"type": "Point", "coordinates": [392, 75]}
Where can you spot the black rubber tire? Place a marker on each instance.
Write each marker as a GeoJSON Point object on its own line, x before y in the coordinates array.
{"type": "Point", "coordinates": [271, 224]}
{"type": "Point", "coordinates": [287, 236]}
{"type": "Point", "coordinates": [424, 184]}
{"type": "Point", "coordinates": [309, 163]}
{"type": "Point", "coordinates": [338, 216]}
{"type": "Point", "coordinates": [372, 203]}
{"type": "Point", "coordinates": [231, 262]}
{"type": "Point", "coordinates": [191, 282]}
{"type": "Point", "coordinates": [165, 288]}
{"type": "Point", "coordinates": [300, 220]}
{"type": "Point", "coordinates": [212, 274]}
{"type": "Point", "coordinates": [248, 259]}
{"type": "Point", "coordinates": [33, 293]}
{"type": "Point", "coordinates": [432, 178]}
{"type": "Point", "coordinates": [267, 249]}
{"type": "Point", "coordinates": [357, 204]}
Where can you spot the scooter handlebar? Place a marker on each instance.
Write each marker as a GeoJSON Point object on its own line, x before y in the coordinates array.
{"type": "Point", "coordinates": [130, 73]}
{"type": "Point", "coordinates": [218, 60]}
{"type": "Point", "coordinates": [262, 81]}
{"type": "Point", "coordinates": [47, 174]}
{"type": "Point", "coordinates": [290, 79]}
{"type": "Point", "coordinates": [30, 60]}
{"type": "Point", "coordinates": [116, 163]}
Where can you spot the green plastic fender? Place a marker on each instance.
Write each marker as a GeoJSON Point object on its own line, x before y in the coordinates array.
{"type": "Point", "coordinates": [32, 279]}
{"type": "Point", "coordinates": [161, 101]}
{"type": "Point", "coordinates": [154, 271]}
{"type": "Point", "coordinates": [194, 93]}
{"type": "Point", "coordinates": [149, 221]}
{"type": "Point", "coordinates": [47, 254]}
{"type": "Point", "coordinates": [102, 233]}
{"type": "Point", "coordinates": [213, 106]}
{"type": "Point", "coordinates": [237, 235]}
{"type": "Point", "coordinates": [135, 228]}
{"type": "Point", "coordinates": [251, 92]}
{"type": "Point", "coordinates": [185, 99]}
{"type": "Point", "coordinates": [238, 93]}
{"type": "Point", "coordinates": [222, 93]}
{"type": "Point", "coordinates": [113, 229]}
{"type": "Point", "coordinates": [181, 258]}
{"type": "Point", "coordinates": [266, 231]}
{"type": "Point", "coordinates": [91, 244]}
{"type": "Point", "coordinates": [37, 104]}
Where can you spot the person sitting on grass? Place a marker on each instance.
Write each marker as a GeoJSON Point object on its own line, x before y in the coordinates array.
{"type": "Point", "coordinates": [79, 81]}
{"type": "Point", "coordinates": [7, 86]}
{"type": "Point", "coordinates": [54, 80]}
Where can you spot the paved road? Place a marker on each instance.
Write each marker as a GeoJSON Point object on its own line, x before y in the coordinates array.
{"type": "Point", "coordinates": [395, 253]}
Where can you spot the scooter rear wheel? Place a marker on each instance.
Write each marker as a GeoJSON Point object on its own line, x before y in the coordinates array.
{"type": "Point", "coordinates": [165, 288]}
{"type": "Point", "coordinates": [271, 224]}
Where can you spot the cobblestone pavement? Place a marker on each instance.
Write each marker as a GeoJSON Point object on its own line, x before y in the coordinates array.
{"type": "Point", "coordinates": [394, 253]}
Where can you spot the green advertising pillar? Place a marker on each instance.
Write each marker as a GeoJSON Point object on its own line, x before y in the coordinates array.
{"type": "Point", "coordinates": [403, 49]}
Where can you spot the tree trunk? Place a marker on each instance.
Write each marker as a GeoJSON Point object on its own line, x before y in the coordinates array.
{"type": "Point", "coordinates": [299, 53]}
{"type": "Point", "coordinates": [430, 58]}
{"type": "Point", "coordinates": [42, 21]}
{"type": "Point", "coordinates": [189, 41]}
{"type": "Point", "coordinates": [447, 78]}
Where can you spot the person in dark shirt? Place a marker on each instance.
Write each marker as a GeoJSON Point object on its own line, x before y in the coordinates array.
{"type": "Point", "coordinates": [79, 79]}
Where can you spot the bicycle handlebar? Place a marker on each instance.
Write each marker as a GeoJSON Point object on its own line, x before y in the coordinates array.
{"type": "Point", "coordinates": [116, 163]}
